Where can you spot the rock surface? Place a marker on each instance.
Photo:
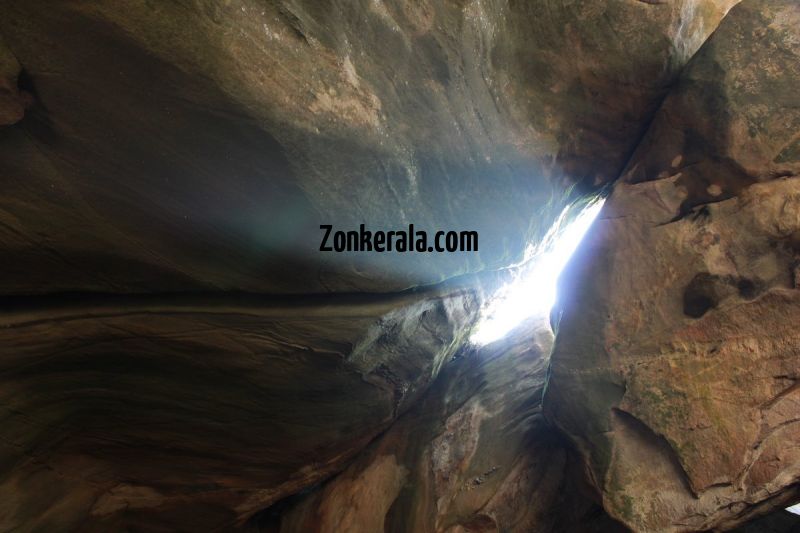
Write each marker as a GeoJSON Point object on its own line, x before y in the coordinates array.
{"type": "Point", "coordinates": [474, 455]}
{"type": "Point", "coordinates": [13, 101]}
{"type": "Point", "coordinates": [199, 145]}
{"type": "Point", "coordinates": [191, 416]}
{"type": "Point", "coordinates": [176, 354]}
{"type": "Point", "coordinates": [676, 365]}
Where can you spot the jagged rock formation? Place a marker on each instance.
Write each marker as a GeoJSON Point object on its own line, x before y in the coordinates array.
{"type": "Point", "coordinates": [676, 366]}
{"type": "Point", "coordinates": [474, 455]}
{"type": "Point", "coordinates": [176, 354]}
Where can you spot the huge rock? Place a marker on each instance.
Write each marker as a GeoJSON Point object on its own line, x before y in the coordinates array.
{"type": "Point", "coordinates": [474, 455]}
{"type": "Point", "coordinates": [676, 363]}
{"type": "Point", "coordinates": [190, 415]}
{"type": "Point", "coordinates": [163, 163]}
{"type": "Point", "coordinates": [199, 145]}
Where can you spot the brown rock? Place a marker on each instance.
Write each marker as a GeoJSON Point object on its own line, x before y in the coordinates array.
{"type": "Point", "coordinates": [189, 415]}
{"type": "Point", "coordinates": [675, 368]}
{"type": "Point", "coordinates": [199, 146]}
{"type": "Point", "coordinates": [474, 455]}
{"type": "Point", "coordinates": [177, 163]}
{"type": "Point", "coordinates": [13, 101]}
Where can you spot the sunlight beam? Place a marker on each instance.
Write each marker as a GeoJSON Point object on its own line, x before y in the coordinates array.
{"type": "Point", "coordinates": [533, 290]}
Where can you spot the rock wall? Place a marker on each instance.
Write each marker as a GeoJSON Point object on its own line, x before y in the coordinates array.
{"type": "Point", "coordinates": [199, 145]}
{"type": "Point", "coordinates": [181, 415]}
{"type": "Point", "coordinates": [474, 455]}
{"type": "Point", "coordinates": [676, 364]}
{"type": "Point", "coordinates": [175, 352]}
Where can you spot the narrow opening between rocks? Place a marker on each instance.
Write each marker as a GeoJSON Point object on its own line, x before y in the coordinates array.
{"type": "Point", "coordinates": [533, 288]}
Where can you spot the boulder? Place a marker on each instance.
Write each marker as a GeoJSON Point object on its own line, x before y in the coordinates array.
{"type": "Point", "coordinates": [676, 363]}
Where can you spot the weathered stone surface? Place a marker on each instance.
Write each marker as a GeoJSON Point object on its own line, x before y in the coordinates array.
{"type": "Point", "coordinates": [676, 364]}
{"type": "Point", "coordinates": [178, 157]}
{"type": "Point", "coordinates": [13, 101]}
{"type": "Point", "coordinates": [198, 145]}
{"type": "Point", "coordinates": [732, 118]}
{"type": "Point", "coordinates": [192, 416]}
{"type": "Point", "coordinates": [473, 455]}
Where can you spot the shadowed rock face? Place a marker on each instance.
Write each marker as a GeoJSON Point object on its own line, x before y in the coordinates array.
{"type": "Point", "coordinates": [473, 455]}
{"type": "Point", "coordinates": [13, 100]}
{"type": "Point", "coordinates": [199, 145]}
{"type": "Point", "coordinates": [777, 522]}
{"type": "Point", "coordinates": [193, 416]}
{"type": "Point", "coordinates": [676, 364]}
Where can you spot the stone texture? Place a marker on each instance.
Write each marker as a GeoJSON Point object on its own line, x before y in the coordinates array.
{"type": "Point", "coordinates": [198, 145]}
{"type": "Point", "coordinates": [165, 168]}
{"type": "Point", "coordinates": [193, 415]}
{"type": "Point", "coordinates": [13, 101]}
{"type": "Point", "coordinates": [474, 455]}
{"type": "Point", "coordinates": [676, 363]}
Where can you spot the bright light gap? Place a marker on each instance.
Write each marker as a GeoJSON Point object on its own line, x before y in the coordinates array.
{"type": "Point", "coordinates": [533, 289]}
